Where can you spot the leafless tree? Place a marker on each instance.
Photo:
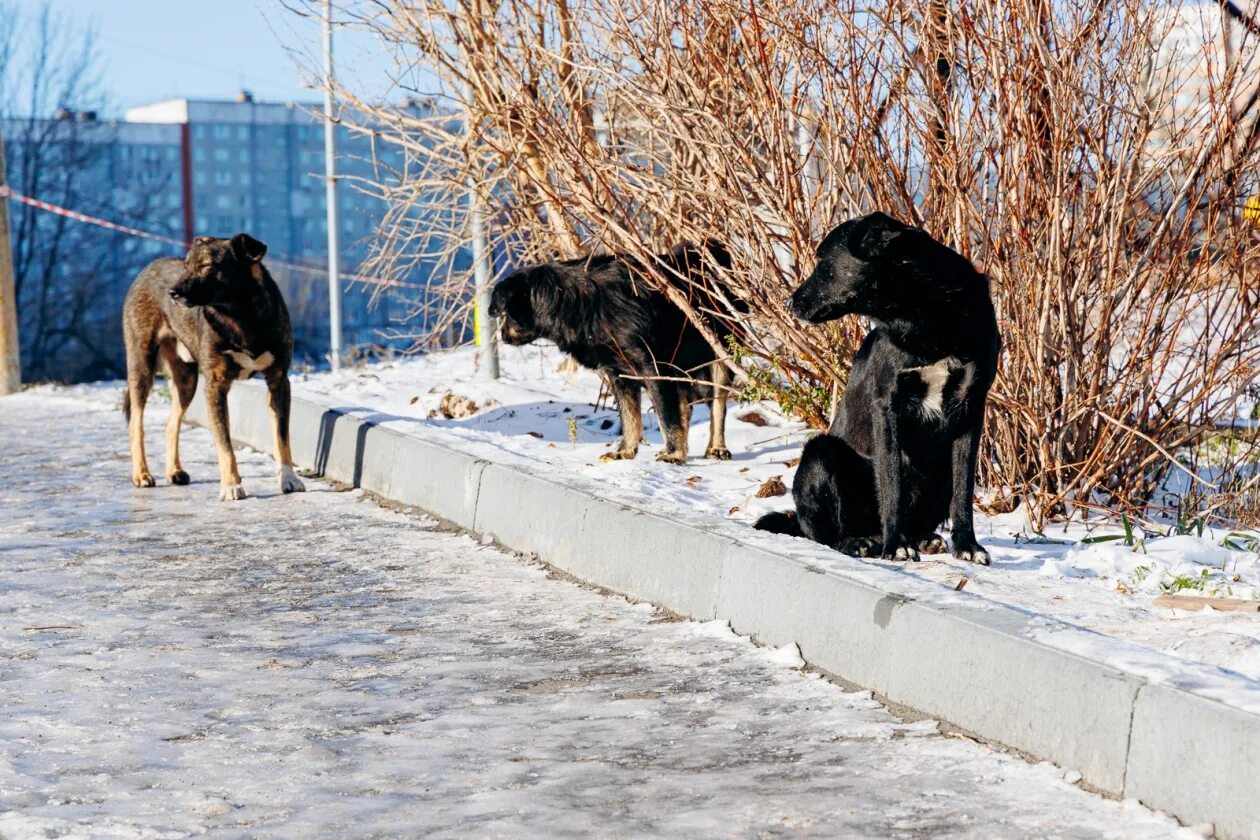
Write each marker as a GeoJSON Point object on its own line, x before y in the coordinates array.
{"type": "Point", "coordinates": [69, 277]}
{"type": "Point", "coordinates": [1094, 158]}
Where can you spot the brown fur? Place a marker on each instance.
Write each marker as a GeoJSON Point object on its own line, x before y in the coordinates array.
{"type": "Point", "coordinates": [219, 307]}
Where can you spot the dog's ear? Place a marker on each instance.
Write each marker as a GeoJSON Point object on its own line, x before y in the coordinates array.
{"type": "Point", "coordinates": [717, 251]}
{"type": "Point", "coordinates": [546, 288]}
{"type": "Point", "coordinates": [247, 249]}
{"type": "Point", "coordinates": [874, 234]}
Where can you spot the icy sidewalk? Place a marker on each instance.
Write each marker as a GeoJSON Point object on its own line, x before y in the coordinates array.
{"type": "Point", "coordinates": [314, 665]}
{"type": "Point", "coordinates": [543, 421]}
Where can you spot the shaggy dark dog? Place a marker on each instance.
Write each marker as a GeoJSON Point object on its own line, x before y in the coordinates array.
{"type": "Point", "coordinates": [901, 454]}
{"type": "Point", "coordinates": [603, 311]}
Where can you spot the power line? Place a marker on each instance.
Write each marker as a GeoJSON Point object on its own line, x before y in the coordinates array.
{"type": "Point", "coordinates": [237, 74]}
{"type": "Point", "coordinates": [292, 265]}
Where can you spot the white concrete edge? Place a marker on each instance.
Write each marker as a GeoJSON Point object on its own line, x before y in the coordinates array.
{"type": "Point", "coordinates": [1084, 701]}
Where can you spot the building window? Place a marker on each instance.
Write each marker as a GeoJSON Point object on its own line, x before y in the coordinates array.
{"type": "Point", "coordinates": [223, 178]}
{"type": "Point", "coordinates": [222, 132]}
{"type": "Point", "coordinates": [242, 132]}
{"type": "Point", "coordinates": [221, 155]}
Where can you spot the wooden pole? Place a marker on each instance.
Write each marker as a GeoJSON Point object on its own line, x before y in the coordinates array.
{"type": "Point", "coordinates": [10, 349]}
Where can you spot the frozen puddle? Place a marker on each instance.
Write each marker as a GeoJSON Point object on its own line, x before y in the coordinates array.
{"type": "Point", "coordinates": [317, 666]}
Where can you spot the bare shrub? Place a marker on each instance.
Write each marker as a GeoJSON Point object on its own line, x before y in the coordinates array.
{"type": "Point", "coordinates": [1093, 158]}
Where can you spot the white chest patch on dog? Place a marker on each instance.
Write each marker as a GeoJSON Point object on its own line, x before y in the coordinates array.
{"type": "Point", "coordinates": [935, 378]}
{"type": "Point", "coordinates": [249, 364]}
{"type": "Point", "coordinates": [183, 352]}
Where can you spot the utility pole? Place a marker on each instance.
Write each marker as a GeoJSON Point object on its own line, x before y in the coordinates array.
{"type": "Point", "coordinates": [330, 178]}
{"type": "Point", "coordinates": [485, 328]}
{"type": "Point", "coordinates": [10, 349]}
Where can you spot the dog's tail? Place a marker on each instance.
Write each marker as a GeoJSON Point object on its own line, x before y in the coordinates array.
{"type": "Point", "coordinates": [126, 404]}
{"type": "Point", "coordinates": [780, 522]}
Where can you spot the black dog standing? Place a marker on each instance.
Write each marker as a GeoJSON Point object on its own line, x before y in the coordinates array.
{"type": "Point", "coordinates": [603, 311]}
{"type": "Point", "coordinates": [901, 454]}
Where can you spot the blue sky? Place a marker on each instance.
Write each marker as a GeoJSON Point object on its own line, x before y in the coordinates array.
{"type": "Point", "coordinates": [161, 49]}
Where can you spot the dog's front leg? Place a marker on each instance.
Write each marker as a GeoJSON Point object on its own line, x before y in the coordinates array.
{"type": "Point", "coordinates": [667, 399]}
{"type": "Point", "coordinates": [629, 404]}
{"type": "Point", "coordinates": [963, 455]}
{"type": "Point", "coordinates": [889, 486]}
{"type": "Point", "coordinates": [278, 389]}
{"type": "Point", "coordinates": [230, 487]}
{"type": "Point", "coordinates": [717, 413]}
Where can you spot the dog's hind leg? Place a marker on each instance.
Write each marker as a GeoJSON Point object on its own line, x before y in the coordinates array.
{"type": "Point", "coordinates": [834, 492]}
{"type": "Point", "coordinates": [230, 488]}
{"type": "Point", "coordinates": [183, 387]}
{"type": "Point", "coordinates": [278, 388]}
{"type": "Point", "coordinates": [141, 358]}
{"type": "Point", "coordinates": [629, 394]}
{"type": "Point", "coordinates": [668, 398]}
{"type": "Point", "coordinates": [717, 413]}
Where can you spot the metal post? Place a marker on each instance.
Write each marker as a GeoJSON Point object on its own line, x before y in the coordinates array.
{"type": "Point", "coordinates": [330, 186]}
{"type": "Point", "coordinates": [10, 349]}
{"type": "Point", "coordinates": [485, 328]}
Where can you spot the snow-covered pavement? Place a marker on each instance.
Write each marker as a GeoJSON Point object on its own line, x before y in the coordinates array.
{"type": "Point", "coordinates": [318, 666]}
{"type": "Point", "coordinates": [543, 421]}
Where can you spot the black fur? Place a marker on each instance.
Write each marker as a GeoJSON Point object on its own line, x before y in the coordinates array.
{"type": "Point", "coordinates": [901, 455]}
{"type": "Point", "coordinates": [604, 312]}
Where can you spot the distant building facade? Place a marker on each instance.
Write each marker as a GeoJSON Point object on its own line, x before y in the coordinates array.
{"type": "Point", "coordinates": [185, 168]}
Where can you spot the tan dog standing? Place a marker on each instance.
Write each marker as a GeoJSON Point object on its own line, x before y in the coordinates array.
{"type": "Point", "coordinates": [217, 311]}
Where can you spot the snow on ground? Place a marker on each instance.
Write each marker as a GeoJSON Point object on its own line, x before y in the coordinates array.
{"type": "Point", "coordinates": [317, 666]}
{"type": "Point", "coordinates": [525, 416]}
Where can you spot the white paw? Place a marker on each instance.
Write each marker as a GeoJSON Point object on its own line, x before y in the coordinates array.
{"type": "Point", "coordinates": [231, 492]}
{"type": "Point", "coordinates": [978, 556]}
{"type": "Point", "coordinates": [289, 481]}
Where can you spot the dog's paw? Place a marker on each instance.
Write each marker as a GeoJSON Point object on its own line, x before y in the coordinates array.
{"type": "Point", "coordinates": [231, 492]}
{"type": "Point", "coordinates": [718, 453]}
{"type": "Point", "coordinates": [179, 478]}
{"type": "Point", "coordinates": [932, 544]}
{"type": "Point", "coordinates": [966, 548]}
{"type": "Point", "coordinates": [859, 547]}
{"type": "Point", "coordinates": [901, 548]}
{"type": "Point", "coordinates": [618, 455]}
{"type": "Point", "coordinates": [672, 458]}
{"type": "Point", "coordinates": [289, 481]}
{"type": "Point", "coordinates": [143, 479]}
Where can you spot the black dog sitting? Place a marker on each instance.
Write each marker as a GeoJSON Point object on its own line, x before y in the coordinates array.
{"type": "Point", "coordinates": [901, 454]}
{"type": "Point", "coordinates": [603, 311]}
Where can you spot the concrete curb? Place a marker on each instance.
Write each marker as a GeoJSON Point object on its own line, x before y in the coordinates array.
{"type": "Point", "coordinates": [1187, 743]}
